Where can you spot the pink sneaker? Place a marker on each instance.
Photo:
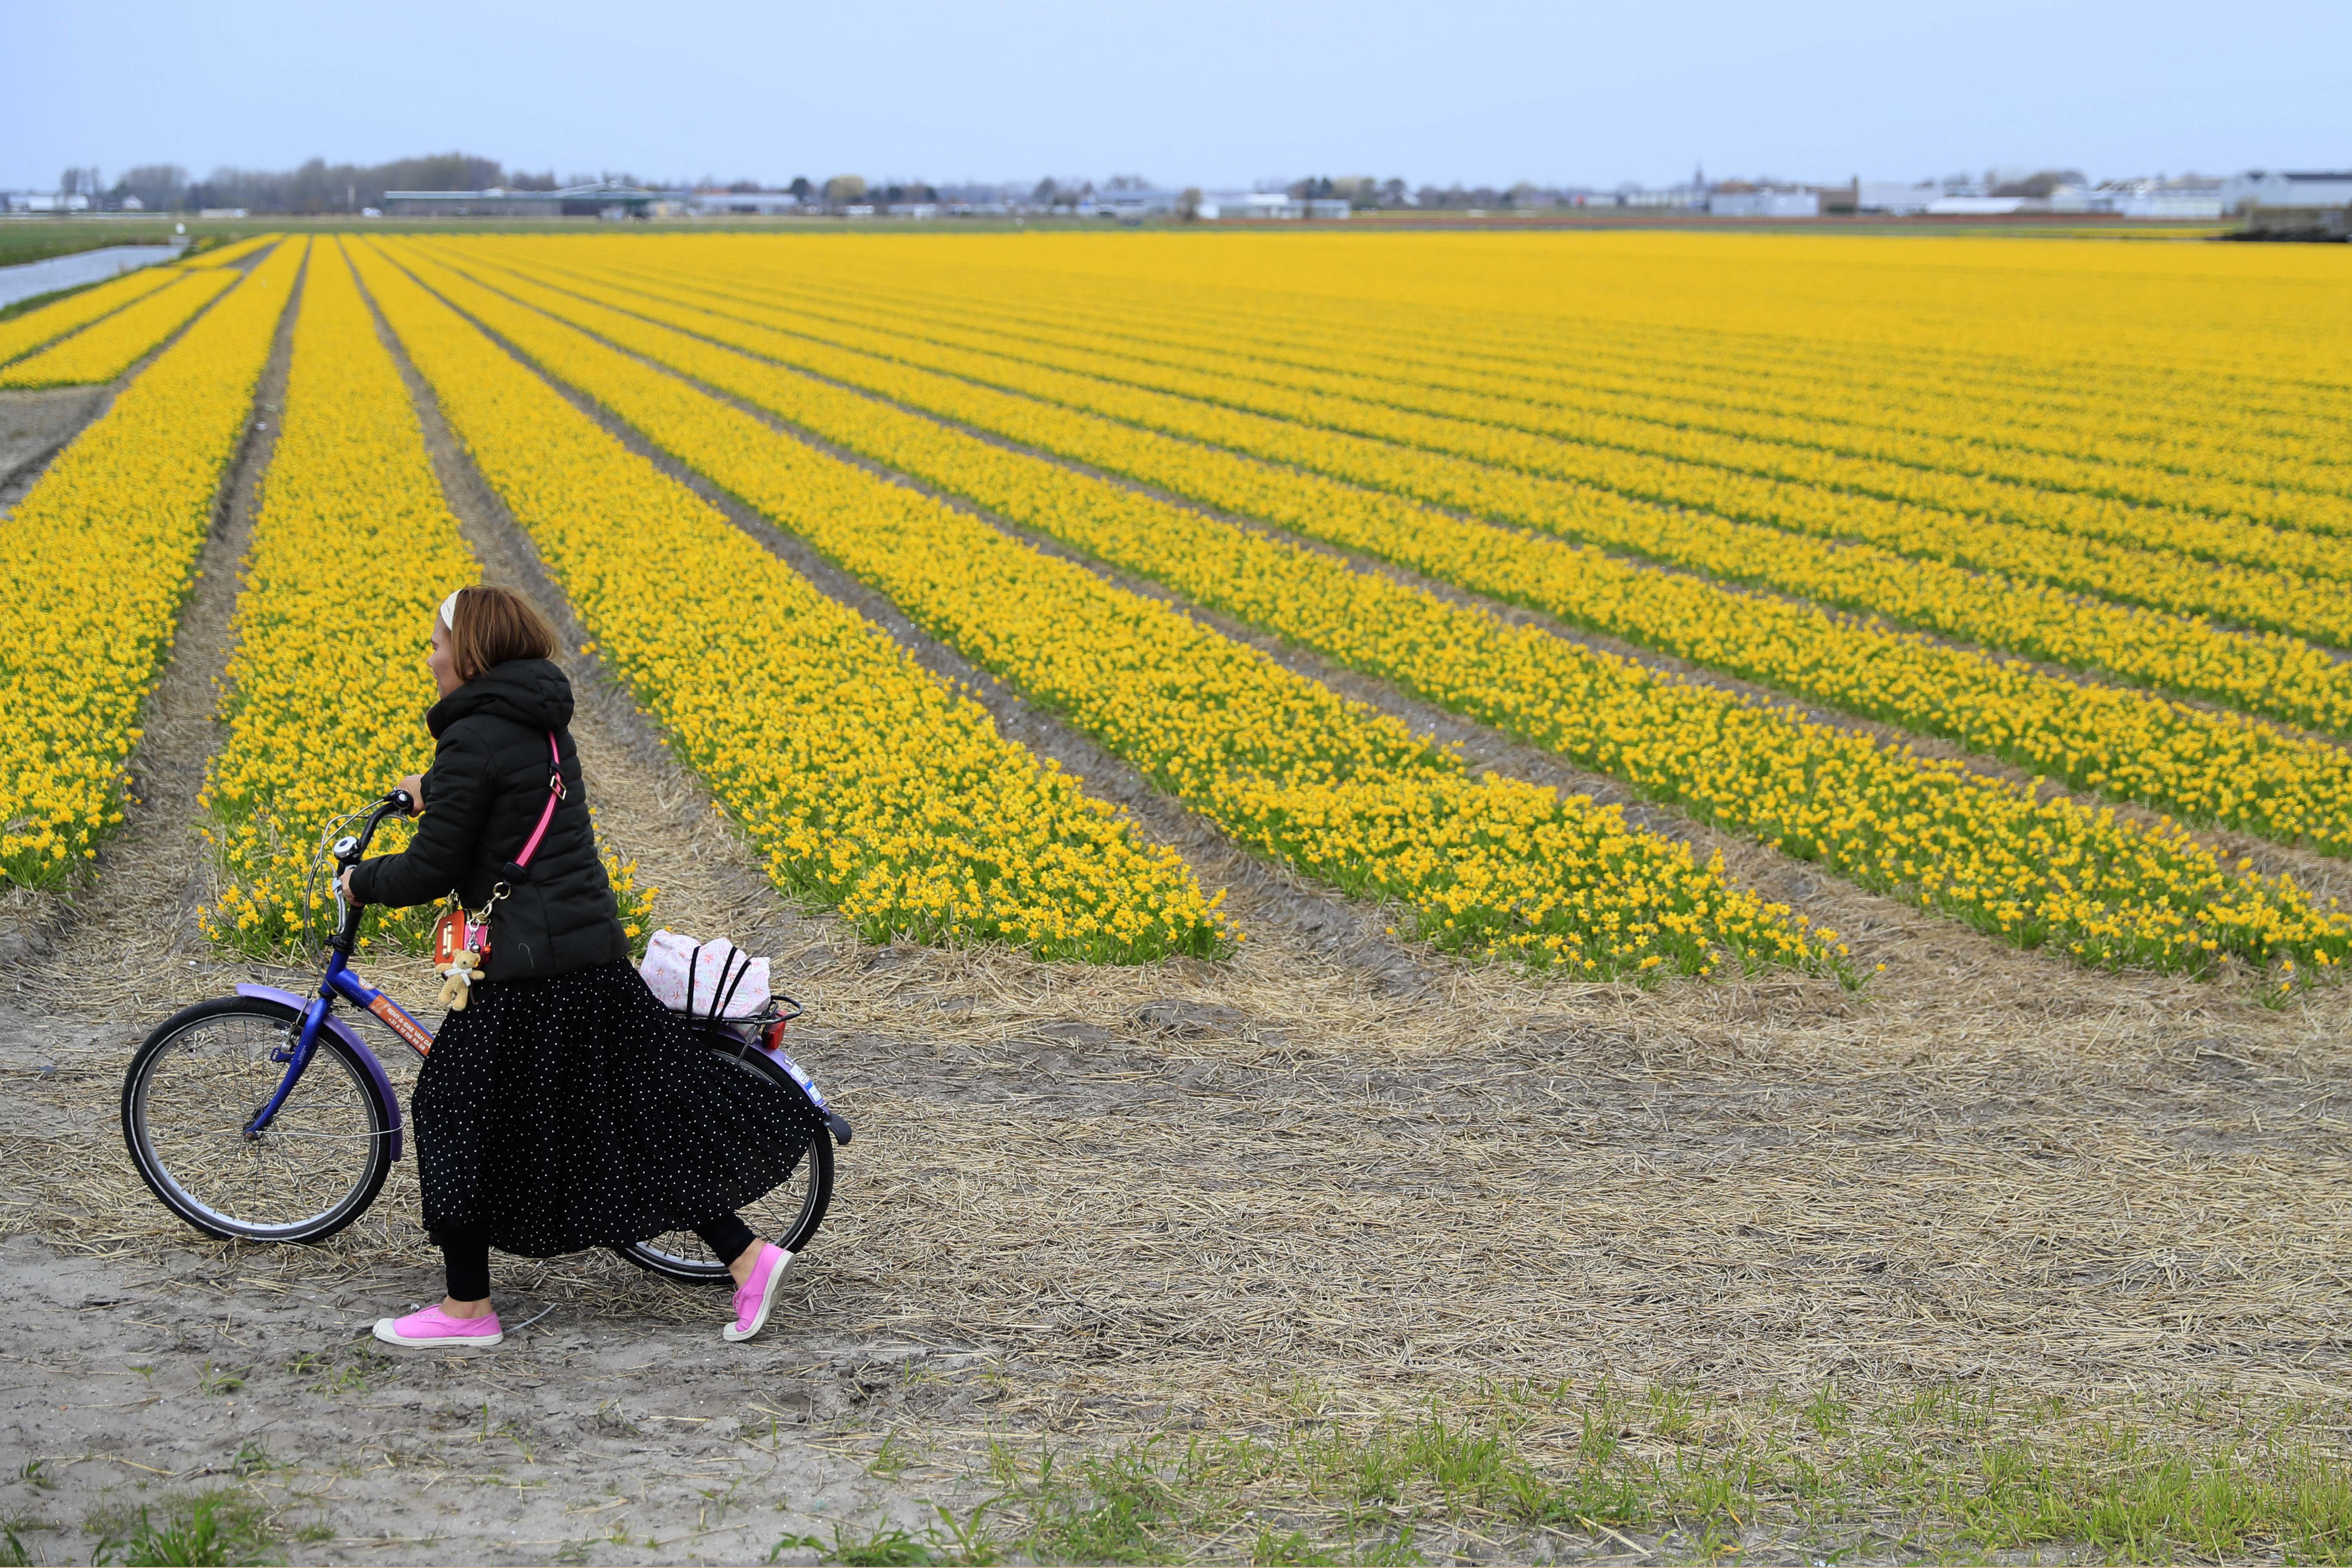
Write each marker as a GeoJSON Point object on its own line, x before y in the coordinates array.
{"type": "Point", "coordinates": [756, 1294]}
{"type": "Point", "coordinates": [434, 1328]}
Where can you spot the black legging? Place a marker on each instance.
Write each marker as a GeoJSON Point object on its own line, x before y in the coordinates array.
{"type": "Point", "coordinates": [465, 1257]}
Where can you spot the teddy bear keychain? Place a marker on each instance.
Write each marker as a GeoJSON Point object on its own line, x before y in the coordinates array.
{"type": "Point", "coordinates": [457, 979]}
{"type": "Point", "coordinates": [461, 944]}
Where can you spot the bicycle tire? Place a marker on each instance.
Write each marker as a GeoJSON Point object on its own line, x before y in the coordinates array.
{"type": "Point", "coordinates": [198, 1078]}
{"type": "Point", "coordinates": [788, 1216]}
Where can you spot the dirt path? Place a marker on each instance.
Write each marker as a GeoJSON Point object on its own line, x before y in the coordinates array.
{"type": "Point", "coordinates": [252, 1376]}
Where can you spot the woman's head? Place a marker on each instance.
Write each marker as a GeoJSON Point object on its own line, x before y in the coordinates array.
{"type": "Point", "coordinates": [481, 627]}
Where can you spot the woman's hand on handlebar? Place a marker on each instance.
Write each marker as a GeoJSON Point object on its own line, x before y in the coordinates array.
{"type": "Point", "coordinates": [414, 784]}
{"type": "Point", "coordinates": [343, 886]}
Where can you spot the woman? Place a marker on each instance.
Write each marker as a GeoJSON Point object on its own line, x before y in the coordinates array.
{"type": "Point", "coordinates": [563, 1107]}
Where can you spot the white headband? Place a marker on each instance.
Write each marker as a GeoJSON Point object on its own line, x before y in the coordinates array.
{"type": "Point", "coordinates": [449, 610]}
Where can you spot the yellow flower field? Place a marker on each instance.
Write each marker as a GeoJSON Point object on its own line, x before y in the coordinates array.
{"type": "Point", "coordinates": [2077, 510]}
{"type": "Point", "coordinates": [327, 687]}
{"type": "Point", "coordinates": [1281, 763]}
{"type": "Point", "coordinates": [1631, 449]}
{"type": "Point", "coordinates": [1646, 395]}
{"type": "Point", "coordinates": [28, 332]}
{"type": "Point", "coordinates": [2107, 890]}
{"type": "Point", "coordinates": [105, 351]}
{"type": "Point", "coordinates": [867, 784]}
{"type": "Point", "coordinates": [1553, 484]}
{"type": "Point", "coordinates": [2204, 766]}
{"type": "Point", "coordinates": [94, 563]}
{"type": "Point", "coordinates": [2266, 673]}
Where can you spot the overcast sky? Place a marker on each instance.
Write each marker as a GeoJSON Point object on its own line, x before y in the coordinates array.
{"type": "Point", "coordinates": [1211, 92]}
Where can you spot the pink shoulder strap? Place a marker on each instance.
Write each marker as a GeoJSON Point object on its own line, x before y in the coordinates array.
{"type": "Point", "coordinates": [554, 794]}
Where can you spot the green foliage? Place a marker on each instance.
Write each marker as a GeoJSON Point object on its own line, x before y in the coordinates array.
{"type": "Point", "coordinates": [1964, 1472]}
{"type": "Point", "coordinates": [892, 1548]}
{"type": "Point", "coordinates": [220, 1380]}
{"type": "Point", "coordinates": [218, 1527]}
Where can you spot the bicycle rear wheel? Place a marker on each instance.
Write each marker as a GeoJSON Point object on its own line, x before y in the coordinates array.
{"type": "Point", "coordinates": [788, 1216]}
{"type": "Point", "coordinates": [202, 1074]}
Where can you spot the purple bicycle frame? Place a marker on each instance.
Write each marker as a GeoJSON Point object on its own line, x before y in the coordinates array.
{"type": "Point", "coordinates": [319, 1013]}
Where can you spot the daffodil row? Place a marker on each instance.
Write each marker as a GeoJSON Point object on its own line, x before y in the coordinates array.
{"type": "Point", "coordinates": [235, 251]}
{"type": "Point", "coordinates": [105, 351]}
{"type": "Point", "coordinates": [94, 563]}
{"type": "Point", "coordinates": [1577, 442]}
{"type": "Point", "coordinates": [327, 687]}
{"type": "Point", "coordinates": [1485, 865]}
{"type": "Point", "coordinates": [23, 334]}
{"type": "Point", "coordinates": [2107, 890]}
{"type": "Point", "coordinates": [1649, 392]}
{"type": "Point", "coordinates": [1606, 496]}
{"type": "Point", "coordinates": [863, 782]}
{"type": "Point", "coordinates": [2269, 675]}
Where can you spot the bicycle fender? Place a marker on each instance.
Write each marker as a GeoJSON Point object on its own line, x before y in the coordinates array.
{"type": "Point", "coordinates": [837, 1125]}
{"type": "Point", "coordinates": [350, 1037]}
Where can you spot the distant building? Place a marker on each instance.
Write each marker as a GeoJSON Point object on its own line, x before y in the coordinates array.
{"type": "Point", "coordinates": [2186, 198]}
{"type": "Point", "coordinates": [43, 202]}
{"type": "Point", "coordinates": [747, 202]}
{"type": "Point", "coordinates": [1983, 206]}
{"type": "Point", "coordinates": [1764, 204]}
{"type": "Point", "coordinates": [2171, 204]}
{"type": "Point", "coordinates": [2261, 188]}
{"type": "Point", "coordinates": [1229, 205]}
{"type": "Point", "coordinates": [1133, 206]}
{"type": "Point", "coordinates": [603, 200]}
{"type": "Point", "coordinates": [1881, 196]}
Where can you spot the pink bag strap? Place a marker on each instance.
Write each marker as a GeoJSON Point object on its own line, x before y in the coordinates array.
{"type": "Point", "coordinates": [554, 794]}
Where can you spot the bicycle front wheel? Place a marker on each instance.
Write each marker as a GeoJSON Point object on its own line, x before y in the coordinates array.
{"type": "Point", "coordinates": [204, 1074]}
{"type": "Point", "coordinates": [788, 1216]}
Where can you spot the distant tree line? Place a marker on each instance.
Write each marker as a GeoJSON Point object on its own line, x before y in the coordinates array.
{"type": "Point", "coordinates": [844, 190]}
{"type": "Point", "coordinates": [317, 186]}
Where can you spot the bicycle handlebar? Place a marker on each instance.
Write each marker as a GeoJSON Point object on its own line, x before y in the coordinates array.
{"type": "Point", "coordinates": [348, 851]}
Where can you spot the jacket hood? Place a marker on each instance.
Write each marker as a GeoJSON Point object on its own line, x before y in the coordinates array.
{"type": "Point", "coordinates": [529, 691]}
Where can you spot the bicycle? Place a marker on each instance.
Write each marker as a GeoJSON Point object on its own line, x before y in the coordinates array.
{"type": "Point", "coordinates": [266, 1116]}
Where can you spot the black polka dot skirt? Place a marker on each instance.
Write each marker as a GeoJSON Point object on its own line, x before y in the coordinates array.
{"type": "Point", "coordinates": [576, 1111]}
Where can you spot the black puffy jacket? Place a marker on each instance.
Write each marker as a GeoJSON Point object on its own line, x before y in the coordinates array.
{"type": "Point", "coordinates": [483, 797]}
